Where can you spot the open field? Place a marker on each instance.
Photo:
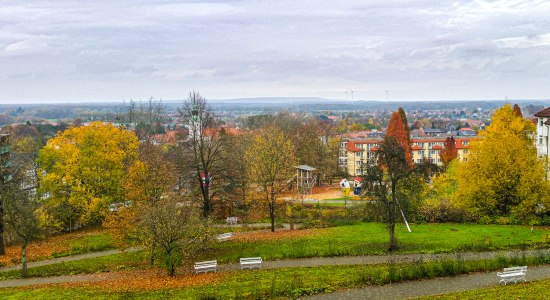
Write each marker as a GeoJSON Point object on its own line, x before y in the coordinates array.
{"type": "Point", "coordinates": [371, 238]}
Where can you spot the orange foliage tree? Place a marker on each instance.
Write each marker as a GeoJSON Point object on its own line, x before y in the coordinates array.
{"type": "Point", "coordinates": [449, 151]}
{"type": "Point", "coordinates": [397, 129]}
{"type": "Point", "coordinates": [517, 111]}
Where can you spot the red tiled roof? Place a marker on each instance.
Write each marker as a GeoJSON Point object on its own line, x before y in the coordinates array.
{"type": "Point", "coordinates": [437, 147]}
{"type": "Point", "coordinates": [543, 113]}
{"type": "Point", "coordinates": [351, 147]}
{"type": "Point", "coordinates": [416, 148]}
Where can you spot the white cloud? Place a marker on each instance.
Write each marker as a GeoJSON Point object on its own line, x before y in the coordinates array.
{"type": "Point", "coordinates": [35, 45]}
{"type": "Point", "coordinates": [521, 42]}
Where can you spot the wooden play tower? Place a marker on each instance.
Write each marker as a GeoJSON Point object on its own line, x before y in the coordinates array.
{"type": "Point", "coordinates": [305, 179]}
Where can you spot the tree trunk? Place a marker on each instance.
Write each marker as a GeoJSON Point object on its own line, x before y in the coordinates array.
{"type": "Point", "coordinates": [391, 218]}
{"type": "Point", "coordinates": [24, 258]}
{"type": "Point", "coordinates": [170, 266]}
{"type": "Point", "coordinates": [393, 241]}
{"type": "Point", "coordinates": [272, 210]}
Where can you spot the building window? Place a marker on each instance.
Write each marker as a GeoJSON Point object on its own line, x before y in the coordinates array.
{"type": "Point", "coordinates": [541, 122]}
{"type": "Point", "coordinates": [465, 143]}
{"type": "Point", "coordinates": [358, 154]}
{"type": "Point", "coordinates": [431, 153]}
{"type": "Point", "coordinates": [540, 140]}
{"type": "Point", "coordinates": [466, 151]}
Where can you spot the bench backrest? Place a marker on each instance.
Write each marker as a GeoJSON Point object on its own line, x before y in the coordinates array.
{"type": "Point", "coordinates": [206, 263]}
{"type": "Point", "coordinates": [229, 234]}
{"type": "Point", "coordinates": [232, 219]}
{"type": "Point", "coordinates": [515, 269]}
{"type": "Point", "coordinates": [251, 259]}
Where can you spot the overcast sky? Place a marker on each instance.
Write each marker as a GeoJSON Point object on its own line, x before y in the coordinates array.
{"type": "Point", "coordinates": [68, 51]}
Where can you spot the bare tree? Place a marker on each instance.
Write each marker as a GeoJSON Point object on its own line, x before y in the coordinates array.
{"type": "Point", "coordinates": [202, 150]}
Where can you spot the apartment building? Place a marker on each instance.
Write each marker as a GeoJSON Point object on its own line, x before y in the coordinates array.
{"type": "Point", "coordinates": [543, 131]}
{"type": "Point", "coordinates": [356, 154]}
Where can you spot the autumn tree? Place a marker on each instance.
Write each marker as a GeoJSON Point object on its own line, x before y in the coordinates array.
{"type": "Point", "coordinates": [396, 128]}
{"type": "Point", "coordinates": [235, 193]}
{"type": "Point", "coordinates": [449, 151]}
{"type": "Point", "coordinates": [20, 206]}
{"type": "Point", "coordinates": [82, 170]}
{"type": "Point", "coordinates": [503, 175]}
{"type": "Point", "coordinates": [175, 230]}
{"type": "Point", "coordinates": [270, 160]}
{"type": "Point", "coordinates": [202, 151]}
{"type": "Point", "coordinates": [19, 195]}
{"type": "Point", "coordinates": [517, 111]}
{"type": "Point", "coordinates": [387, 182]}
{"type": "Point", "coordinates": [403, 116]}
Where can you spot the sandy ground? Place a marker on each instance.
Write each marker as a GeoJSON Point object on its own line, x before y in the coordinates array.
{"type": "Point", "coordinates": [324, 192]}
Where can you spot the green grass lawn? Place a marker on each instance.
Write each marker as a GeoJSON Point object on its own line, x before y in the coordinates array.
{"type": "Point", "coordinates": [109, 263]}
{"type": "Point", "coordinates": [371, 238]}
{"type": "Point", "coordinates": [534, 290]}
{"type": "Point", "coordinates": [279, 284]}
{"type": "Point", "coordinates": [87, 244]}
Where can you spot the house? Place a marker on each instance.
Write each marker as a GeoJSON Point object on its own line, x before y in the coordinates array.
{"type": "Point", "coordinates": [543, 129]}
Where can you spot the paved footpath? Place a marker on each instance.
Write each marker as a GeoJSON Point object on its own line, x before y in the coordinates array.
{"type": "Point", "coordinates": [277, 264]}
{"type": "Point", "coordinates": [421, 288]}
{"type": "Point", "coordinates": [69, 258]}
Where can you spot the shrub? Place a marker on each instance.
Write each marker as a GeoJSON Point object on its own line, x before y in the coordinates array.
{"type": "Point", "coordinates": [443, 211]}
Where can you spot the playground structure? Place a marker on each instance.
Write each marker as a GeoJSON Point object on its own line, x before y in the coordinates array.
{"type": "Point", "coordinates": [305, 179]}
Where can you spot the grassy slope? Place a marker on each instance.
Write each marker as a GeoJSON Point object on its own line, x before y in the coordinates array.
{"type": "Point", "coordinates": [262, 284]}
{"type": "Point", "coordinates": [109, 263]}
{"type": "Point", "coordinates": [78, 242]}
{"type": "Point", "coordinates": [371, 238]}
{"type": "Point", "coordinates": [534, 290]}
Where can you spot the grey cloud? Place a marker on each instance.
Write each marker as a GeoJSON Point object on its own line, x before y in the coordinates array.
{"type": "Point", "coordinates": [238, 48]}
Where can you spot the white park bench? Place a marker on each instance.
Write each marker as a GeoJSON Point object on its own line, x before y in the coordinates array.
{"type": "Point", "coordinates": [514, 274]}
{"type": "Point", "coordinates": [225, 236]}
{"type": "Point", "coordinates": [231, 220]}
{"type": "Point", "coordinates": [251, 263]}
{"type": "Point", "coordinates": [206, 266]}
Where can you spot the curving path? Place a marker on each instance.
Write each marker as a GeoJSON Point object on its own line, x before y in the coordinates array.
{"type": "Point", "coordinates": [430, 287]}
{"type": "Point", "coordinates": [277, 264]}
{"type": "Point", "coordinates": [69, 258]}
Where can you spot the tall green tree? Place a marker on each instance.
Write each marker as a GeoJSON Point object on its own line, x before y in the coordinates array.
{"type": "Point", "coordinates": [503, 175]}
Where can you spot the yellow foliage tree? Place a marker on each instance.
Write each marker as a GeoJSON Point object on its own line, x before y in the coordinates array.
{"type": "Point", "coordinates": [82, 170]}
{"type": "Point", "coordinates": [503, 175]}
{"type": "Point", "coordinates": [270, 160]}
